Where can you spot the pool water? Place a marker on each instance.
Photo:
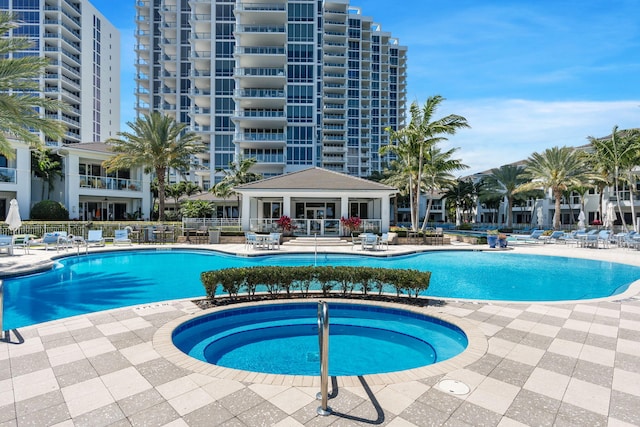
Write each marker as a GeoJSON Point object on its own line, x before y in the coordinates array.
{"type": "Point", "coordinates": [283, 339]}
{"type": "Point", "coordinates": [94, 282]}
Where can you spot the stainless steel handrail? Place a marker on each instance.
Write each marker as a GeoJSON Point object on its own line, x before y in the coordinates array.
{"type": "Point", "coordinates": [323, 343]}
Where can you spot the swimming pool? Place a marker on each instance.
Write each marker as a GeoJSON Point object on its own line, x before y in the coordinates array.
{"type": "Point", "coordinates": [84, 284]}
{"type": "Point", "coordinates": [283, 339]}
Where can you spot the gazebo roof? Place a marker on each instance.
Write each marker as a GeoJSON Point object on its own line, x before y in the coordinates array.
{"type": "Point", "coordinates": [315, 179]}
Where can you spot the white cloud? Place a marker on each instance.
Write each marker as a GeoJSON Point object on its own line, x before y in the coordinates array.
{"type": "Point", "coordinates": [504, 131]}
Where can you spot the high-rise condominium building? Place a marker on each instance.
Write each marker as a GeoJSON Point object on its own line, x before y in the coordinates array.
{"type": "Point", "coordinates": [291, 83]}
{"type": "Point", "coordinates": [84, 68]}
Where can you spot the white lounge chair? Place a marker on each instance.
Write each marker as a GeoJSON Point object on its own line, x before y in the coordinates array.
{"type": "Point", "coordinates": [121, 237]}
{"type": "Point", "coordinates": [369, 241]}
{"type": "Point", "coordinates": [95, 238]}
{"type": "Point", "coordinates": [250, 240]}
{"type": "Point", "coordinates": [57, 239]}
{"type": "Point", "coordinates": [534, 237]}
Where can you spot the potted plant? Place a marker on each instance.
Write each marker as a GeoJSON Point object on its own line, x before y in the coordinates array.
{"type": "Point", "coordinates": [492, 238]}
{"type": "Point", "coordinates": [350, 224]}
{"type": "Point", "coordinates": [286, 225]}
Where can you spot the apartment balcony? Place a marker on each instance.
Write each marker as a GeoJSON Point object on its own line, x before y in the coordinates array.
{"type": "Point", "coordinates": [109, 183]}
{"type": "Point", "coordinates": [260, 140]}
{"type": "Point", "coordinates": [261, 56]}
{"type": "Point", "coordinates": [267, 77]}
{"type": "Point", "coordinates": [333, 149]}
{"type": "Point", "coordinates": [260, 118]}
{"type": "Point", "coordinates": [261, 35]}
{"type": "Point", "coordinates": [261, 98]}
{"type": "Point", "coordinates": [272, 159]}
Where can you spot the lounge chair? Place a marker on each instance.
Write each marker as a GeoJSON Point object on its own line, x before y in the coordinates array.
{"type": "Point", "coordinates": [95, 238]}
{"type": "Point", "coordinates": [586, 240]}
{"type": "Point", "coordinates": [553, 237]}
{"type": "Point", "coordinates": [121, 237]}
{"type": "Point", "coordinates": [58, 239]}
{"type": "Point", "coordinates": [534, 237]}
{"type": "Point", "coordinates": [6, 244]}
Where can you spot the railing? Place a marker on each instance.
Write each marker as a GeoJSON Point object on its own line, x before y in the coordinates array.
{"type": "Point", "coordinates": [323, 346]}
{"type": "Point", "coordinates": [8, 175]}
{"type": "Point", "coordinates": [310, 227]}
{"type": "Point", "coordinates": [108, 183]}
{"type": "Point", "coordinates": [220, 223]}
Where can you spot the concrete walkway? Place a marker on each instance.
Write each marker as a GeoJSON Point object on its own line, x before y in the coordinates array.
{"type": "Point", "coordinates": [569, 364]}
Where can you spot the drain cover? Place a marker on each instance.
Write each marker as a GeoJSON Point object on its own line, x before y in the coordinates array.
{"type": "Point", "coordinates": [453, 387]}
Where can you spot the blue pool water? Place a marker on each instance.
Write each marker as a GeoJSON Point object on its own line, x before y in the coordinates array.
{"type": "Point", "coordinates": [283, 339]}
{"type": "Point", "coordinates": [94, 282]}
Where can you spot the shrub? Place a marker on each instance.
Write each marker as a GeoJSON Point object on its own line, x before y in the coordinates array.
{"type": "Point", "coordinates": [349, 279]}
{"type": "Point", "coordinates": [48, 210]}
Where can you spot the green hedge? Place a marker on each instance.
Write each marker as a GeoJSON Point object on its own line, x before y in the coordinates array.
{"type": "Point", "coordinates": [345, 279]}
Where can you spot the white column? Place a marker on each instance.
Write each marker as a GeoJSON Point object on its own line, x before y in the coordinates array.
{"type": "Point", "coordinates": [245, 220]}
{"type": "Point", "coordinates": [344, 206]}
{"type": "Point", "coordinates": [385, 213]}
{"type": "Point", "coordinates": [23, 180]}
{"type": "Point", "coordinates": [286, 206]}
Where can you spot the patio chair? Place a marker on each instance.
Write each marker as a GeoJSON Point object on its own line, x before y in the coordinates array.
{"type": "Point", "coordinates": [588, 240]}
{"type": "Point", "coordinates": [201, 234]}
{"type": "Point", "coordinates": [369, 241]}
{"type": "Point", "coordinates": [94, 238]}
{"type": "Point", "coordinates": [121, 237]}
{"type": "Point", "coordinates": [355, 240]}
{"type": "Point", "coordinates": [274, 240]}
{"type": "Point", "coordinates": [6, 244]}
{"type": "Point", "coordinates": [250, 240]}
{"type": "Point", "coordinates": [22, 241]}
{"type": "Point", "coordinates": [383, 241]}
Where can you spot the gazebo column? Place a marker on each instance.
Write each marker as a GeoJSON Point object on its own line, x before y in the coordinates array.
{"type": "Point", "coordinates": [386, 207]}
{"type": "Point", "coordinates": [344, 206]}
{"type": "Point", "coordinates": [246, 213]}
{"type": "Point", "coordinates": [286, 206]}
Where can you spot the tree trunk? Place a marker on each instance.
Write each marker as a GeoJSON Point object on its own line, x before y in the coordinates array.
{"type": "Point", "coordinates": [558, 197]}
{"type": "Point", "coordinates": [161, 187]}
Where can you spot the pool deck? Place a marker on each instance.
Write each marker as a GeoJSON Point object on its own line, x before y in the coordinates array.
{"type": "Point", "coordinates": [564, 364]}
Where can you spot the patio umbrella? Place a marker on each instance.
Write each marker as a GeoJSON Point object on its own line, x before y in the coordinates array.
{"type": "Point", "coordinates": [581, 218]}
{"type": "Point", "coordinates": [539, 217]}
{"type": "Point", "coordinates": [13, 218]}
{"type": "Point", "coordinates": [609, 216]}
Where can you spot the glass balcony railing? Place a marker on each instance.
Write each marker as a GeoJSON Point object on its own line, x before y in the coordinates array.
{"type": "Point", "coordinates": [8, 175]}
{"type": "Point", "coordinates": [109, 183]}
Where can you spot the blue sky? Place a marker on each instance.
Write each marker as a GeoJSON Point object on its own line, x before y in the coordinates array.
{"type": "Point", "coordinates": [527, 75]}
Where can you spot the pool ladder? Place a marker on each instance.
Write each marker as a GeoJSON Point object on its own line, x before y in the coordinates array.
{"type": "Point", "coordinates": [323, 343]}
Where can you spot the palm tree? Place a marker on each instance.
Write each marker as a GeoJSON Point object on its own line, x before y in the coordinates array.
{"type": "Point", "coordinates": [556, 169]}
{"type": "Point", "coordinates": [47, 166]}
{"type": "Point", "coordinates": [404, 145]}
{"type": "Point", "coordinates": [503, 182]}
{"type": "Point", "coordinates": [412, 144]}
{"type": "Point", "coordinates": [20, 111]}
{"type": "Point", "coordinates": [398, 176]}
{"type": "Point", "coordinates": [239, 173]}
{"type": "Point", "coordinates": [157, 143]}
{"type": "Point", "coordinates": [460, 195]}
{"type": "Point", "coordinates": [617, 156]}
{"type": "Point", "coordinates": [224, 191]}
{"type": "Point", "coordinates": [436, 175]}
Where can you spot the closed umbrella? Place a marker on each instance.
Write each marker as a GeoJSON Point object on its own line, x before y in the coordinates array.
{"type": "Point", "coordinates": [13, 218]}
{"type": "Point", "coordinates": [610, 216]}
{"type": "Point", "coordinates": [539, 217]}
{"type": "Point", "coordinates": [581, 218]}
